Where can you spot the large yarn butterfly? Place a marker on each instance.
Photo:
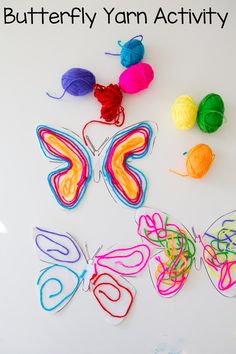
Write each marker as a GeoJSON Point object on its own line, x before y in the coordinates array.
{"type": "Point", "coordinates": [103, 274]}
{"type": "Point", "coordinates": [176, 249]}
{"type": "Point", "coordinates": [125, 183]}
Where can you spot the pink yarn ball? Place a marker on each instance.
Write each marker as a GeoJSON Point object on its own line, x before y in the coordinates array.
{"type": "Point", "coordinates": [136, 78]}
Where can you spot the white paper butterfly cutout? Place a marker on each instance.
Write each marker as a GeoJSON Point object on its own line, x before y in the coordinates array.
{"type": "Point", "coordinates": [175, 250]}
{"type": "Point", "coordinates": [104, 275]}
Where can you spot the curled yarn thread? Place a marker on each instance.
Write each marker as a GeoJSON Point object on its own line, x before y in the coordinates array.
{"type": "Point", "coordinates": [220, 253]}
{"type": "Point", "coordinates": [184, 112]}
{"type": "Point", "coordinates": [121, 257]}
{"type": "Point", "coordinates": [107, 290]}
{"type": "Point", "coordinates": [111, 111]}
{"type": "Point", "coordinates": [76, 82]}
{"type": "Point", "coordinates": [132, 52]}
{"type": "Point", "coordinates": [198, 161]}
{"type": "Point", "coordinates": [175, 260]}
{"type": "Point", "coordinates": [136, 78]}
{"type": "Point", "coordinates": [210, 113]}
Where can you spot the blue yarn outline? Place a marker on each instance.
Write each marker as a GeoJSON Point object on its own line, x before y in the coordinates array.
{"type": "Point", "coordinates": [131, 157]}
{"type": "Point", "coordinates": [79, 279]}
{"type": "Point", "coordinates": [67, 164]}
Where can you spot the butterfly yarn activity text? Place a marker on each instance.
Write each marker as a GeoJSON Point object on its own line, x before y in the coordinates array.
{"type": "Point", "coordinates": [125, 183]}
{"type": "Point", "coordinates": [176, 249]}
{"type": "Point", "coordinates": [103, 275]}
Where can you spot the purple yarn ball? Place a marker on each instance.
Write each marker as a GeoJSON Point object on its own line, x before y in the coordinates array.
{"type": "Point", "coordinates": [78, 82]}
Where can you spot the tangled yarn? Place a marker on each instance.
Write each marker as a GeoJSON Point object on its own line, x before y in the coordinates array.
{"type": "Point", "coordinates": [111, 111]}
{"type": "Point", "coordinates": [111, 98]}
{"type": "Point", "coordinates": [210, 113]}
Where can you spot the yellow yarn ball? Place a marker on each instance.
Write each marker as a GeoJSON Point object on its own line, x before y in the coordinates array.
{"type": "Point", "coordinates": [184, 112]}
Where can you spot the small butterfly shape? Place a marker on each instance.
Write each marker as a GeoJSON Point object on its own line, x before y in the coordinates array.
{"type": "Point", "coordinates": [125, 183]}
{"type": "Point", "coordinates": [103, 275]}
{"type": "Point", "coordinates": [176, 250]}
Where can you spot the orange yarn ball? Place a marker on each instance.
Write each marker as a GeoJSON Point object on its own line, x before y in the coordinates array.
{"type": "Point", "coordinates": [199, 160]}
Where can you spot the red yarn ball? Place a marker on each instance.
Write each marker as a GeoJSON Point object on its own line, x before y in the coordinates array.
{"type": "Point", "coordinates": [111, 98]}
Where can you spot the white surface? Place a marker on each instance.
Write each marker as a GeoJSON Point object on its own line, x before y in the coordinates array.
{"type": "Point", "coordinates": [194, 60]}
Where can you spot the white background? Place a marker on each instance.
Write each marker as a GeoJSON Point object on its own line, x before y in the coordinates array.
{"type": "Point", "coordinates": [192, 60]}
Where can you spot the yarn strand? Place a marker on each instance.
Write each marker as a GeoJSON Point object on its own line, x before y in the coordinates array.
{"type": "Point", "coordinates": [130, 40]}
{"type": "Point", "coordinates": [117, 124]}
{"type": "Point", "coordinates": [178, 173]}
{"type": "Point", "coordinates": [122, 45]}
{"type": "Point", "coordinates": [55, 97]}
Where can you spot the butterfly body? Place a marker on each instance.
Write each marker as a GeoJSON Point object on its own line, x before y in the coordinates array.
{"type": "Point", "coordinates": [126, 184]}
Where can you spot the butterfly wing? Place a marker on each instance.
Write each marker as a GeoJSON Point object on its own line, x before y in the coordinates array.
{"type": "Point", "coordinates": [219, 253]}
{"type": "Point", "coordinates": [53, 247]}
{"type": "Point", "coordinates": [173, 247]}
{"type": "Point", "coordinates": [115, 294]}
{"type": "Point", "coordinates": [125, 261]}
{"type": "Point", "coordinates": [59, 281]}
{"type": "Point", "coordinates": [70, 182]}
{"type": "Point", "coordinates": [57, 285]}
{"type": "Point", "coordinates": [126, 183]}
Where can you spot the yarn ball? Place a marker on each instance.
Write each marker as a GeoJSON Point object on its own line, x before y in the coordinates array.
{"type": "Point", "coordinates": [132, 52]}
{"type": "Point", "coordinates": [199, 160]}
{"type": "Point", "coordinates": [111, 98]}
{"type": "Point", "coordinates": [136, 78]}
{"type": "Point", "coordinates": [78, 82]}
{"type": "Point", "coordinates": [184, 112]}
{"type": "Point", "coordinates": [210, 113]}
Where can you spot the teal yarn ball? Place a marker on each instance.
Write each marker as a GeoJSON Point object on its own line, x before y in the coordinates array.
{"type": "Point", "coordinates": [210, 113]}
{"type": "Point", "coordinates": [132, 52]}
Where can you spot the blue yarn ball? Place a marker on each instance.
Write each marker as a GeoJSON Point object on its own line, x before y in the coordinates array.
{"type": "Point", "coordinates": [132, 52]}
{"type": "Point", "coordinates": [78, 82]}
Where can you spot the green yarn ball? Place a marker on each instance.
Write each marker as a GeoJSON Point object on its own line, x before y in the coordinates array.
{"type": "Point", "coordinates": [210, 113]}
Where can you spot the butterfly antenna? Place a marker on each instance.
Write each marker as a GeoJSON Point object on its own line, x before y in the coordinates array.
{"type": "Point", "coordinates": [103, 143]}
{"type": "Point", "coordinates": [87, 250]}
{"type": "Point", "coordinates": [98, 250]}
{"type": "Point", "coordinates": [90, 146]}
{"type": "Point", "coordinates": [71, 131]}
{"type": "Point", "coordinates": [194, 233]}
